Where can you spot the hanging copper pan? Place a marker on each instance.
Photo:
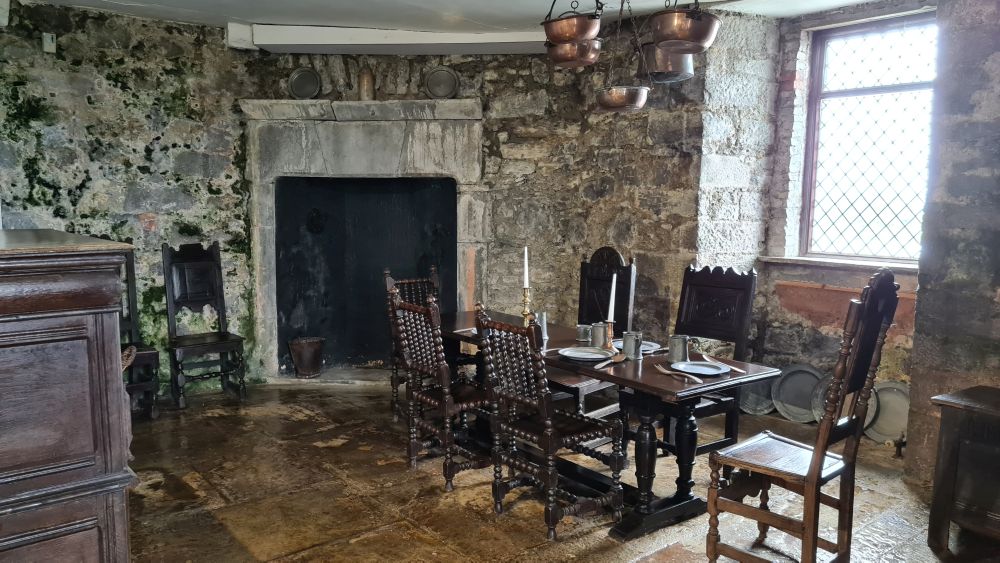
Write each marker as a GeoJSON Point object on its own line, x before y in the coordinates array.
{"type": "Point", "coordinates": [685, 31]}
{"type": "Point", "coordinates": [663, 67]}
{"type": "Point", "coordinates": [622, 98]}
{"type": "Point", "coordinates": [575, 55]}
{"type": "Point", "coordinates": [572, 26]}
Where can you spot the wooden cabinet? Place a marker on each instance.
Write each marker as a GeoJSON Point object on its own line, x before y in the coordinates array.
{"type": "Point", "coordinates": [63, 413]}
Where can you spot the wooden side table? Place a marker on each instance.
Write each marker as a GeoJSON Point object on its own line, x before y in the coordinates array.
{"type": "Point", "coordinates": [966, 487]}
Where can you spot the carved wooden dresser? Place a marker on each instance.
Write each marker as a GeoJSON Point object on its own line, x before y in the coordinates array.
{"type": "Point", "coordinates": [63, 414]}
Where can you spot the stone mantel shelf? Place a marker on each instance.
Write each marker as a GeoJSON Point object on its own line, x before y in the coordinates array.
{"type": "Point", "coordinates": [392, 110]}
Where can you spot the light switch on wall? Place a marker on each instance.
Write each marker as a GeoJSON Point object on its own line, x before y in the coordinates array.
{"type": "Point", "coordinates": [49, 42]}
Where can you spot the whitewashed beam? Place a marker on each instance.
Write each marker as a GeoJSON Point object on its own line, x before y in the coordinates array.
{"type": "Point", "coordinates": [359, 41]}
{"type": "Point", "coordinates": [240, 36]}
{"type": "Point", "coordinates": [4, 13]}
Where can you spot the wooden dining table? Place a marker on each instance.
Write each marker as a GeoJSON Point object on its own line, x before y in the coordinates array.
{"type": "Point", "coordinates": [645, 393]}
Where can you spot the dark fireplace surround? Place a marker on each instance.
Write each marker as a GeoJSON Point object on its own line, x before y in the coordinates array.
{"type": "Point", "coordinates": [327, 149]}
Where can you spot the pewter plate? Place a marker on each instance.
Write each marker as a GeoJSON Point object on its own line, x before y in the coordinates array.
{"type": "Point", "coordinates": [700, 368]}
{"type": "Point", "coordinates": [647, 346]}
{"type": "Point", "coordinates": [585, 353]}
{"type": "Point", "coordinates": [819, 402]}
{"type": "Point", "coordinates": [893, 411]}
{"type": "Point", "coordinates": [756, 398]}
{"type": "Point", "coordinates": [792, 392]}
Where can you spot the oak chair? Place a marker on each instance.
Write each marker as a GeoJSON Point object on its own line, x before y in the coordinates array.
{"type": "Point", "coordinates": [595, 296]}
{"type": "Point", "coordinates": [416, 291]}
{"type": "Point", "coordinates": [528, 431]}
{"type": "Point", "coordinates": [433, 407]}
{"type": "Point", "coordinates": [142, 378]}
{"type": "Point", "coordinates": [193, 276]}
{"type": "Point", "coordinates": [717, 304]}
{"type": "Point", "coordinates": [769, 459]}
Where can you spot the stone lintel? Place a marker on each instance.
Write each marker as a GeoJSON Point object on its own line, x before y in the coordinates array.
{"type": "Point", "coordinates": [393, 110]}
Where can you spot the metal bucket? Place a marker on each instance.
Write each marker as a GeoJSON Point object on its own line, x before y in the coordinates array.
{"type": "Point", "coordinates": [307, 355]}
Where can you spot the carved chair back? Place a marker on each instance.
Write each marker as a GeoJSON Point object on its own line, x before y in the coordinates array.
{"type": "Point", "coordinates": [514, 367]}
{"type": "Point", "coordinates": [595, 289]}
{"type": "Point", "coordinates": [417, 334]}
{"type": "Point", "coordinates": [128, 320]}
{"type": "Point", "coordinates": [716, 304]}
{"type": "Point", "coordinates": [416, 290]}
{"type": "Point", "coordinates": [868, 320]}
{"type": "Point", "coordinates": [193, 277]}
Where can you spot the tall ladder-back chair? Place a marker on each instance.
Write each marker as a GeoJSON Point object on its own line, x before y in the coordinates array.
{"type": "Point", "coordinates": [524, 417]}
{"type": "Point", "coordinates": [595, 296]}
{"type": "Point", "coordinates": [416, 291]}
{"type": "Point", "coordinates": [434, 400]}
{"type": "Point", "coordinates": [769, 459]}
{"type": "Point", "coordinates": [193, 276]}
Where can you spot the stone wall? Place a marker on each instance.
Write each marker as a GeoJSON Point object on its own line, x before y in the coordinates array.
{"type": "Point", "coordinates": [132, 132]}
{"type": "Point", "coordinates": [957, 335]}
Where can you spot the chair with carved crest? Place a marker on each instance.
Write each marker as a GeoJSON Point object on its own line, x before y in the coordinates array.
{"type": "Point", "coordinates": [595, 296]}
{"type": "Point", "coordinates": [433, 407]}
{"type": "Point", "coordinates": [523, 411]}
{"type": "Point", "coordinates": [769, 459]}
{"type": "Point", "coordinates": [717, 304]}
{"type": "Point", "coordinates": [416, 291]}
{"type": "Point", "coordinates": [193, 277]}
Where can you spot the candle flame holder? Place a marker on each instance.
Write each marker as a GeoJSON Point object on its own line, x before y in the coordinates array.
{"type": "Point", "coordinates": [526, 311]}
{"type": "Point", "coordinates": [610, 335]}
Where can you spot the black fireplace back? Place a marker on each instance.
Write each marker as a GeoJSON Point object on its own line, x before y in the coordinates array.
{"type": "Point", "coordinates": [334, 237]}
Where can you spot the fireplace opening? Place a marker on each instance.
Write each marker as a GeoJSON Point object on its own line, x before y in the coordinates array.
{"type": "Point", "coordinates": [334, 237]}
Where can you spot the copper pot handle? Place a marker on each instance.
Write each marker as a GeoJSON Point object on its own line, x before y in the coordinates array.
{"type": "Point", "coordinates": [598, 10]}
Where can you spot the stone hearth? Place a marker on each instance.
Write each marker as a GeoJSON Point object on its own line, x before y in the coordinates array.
{"type": "Point", "coordinates": [395, 139]}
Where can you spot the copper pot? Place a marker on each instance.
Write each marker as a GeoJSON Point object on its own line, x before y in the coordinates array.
{"type": "Point", "coordinates": [663, 67]}
{"type": "Point", "coordinates": [689, 31]}
{"type": "Point", "coordinates": [622, 98]}
{"type": "Point", "coordinates": [572, 28]}
{"type": "Point", "coordinates": [575, 55]}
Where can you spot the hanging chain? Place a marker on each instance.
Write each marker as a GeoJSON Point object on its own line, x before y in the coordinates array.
{"type": "Point", "coordinates": [617, 39]}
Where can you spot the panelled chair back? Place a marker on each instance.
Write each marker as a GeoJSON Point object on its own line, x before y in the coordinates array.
{"type": "Point", "coordinates": [716, 303]}
{"type": "Point", "coordinates": [523, 411]}
{"type": "Point", "coordinates": [595, 289]}
{"type": "Point", "coordinates": [193, 277]}
{"type": "Point", "coordinates": [767, 458]}
{"type": "Point", "coordinates": [416, 291]}
{"type": "Point", "coordinates": [434, 400]}
{"type": "Point", "coordinates": [142, 380]}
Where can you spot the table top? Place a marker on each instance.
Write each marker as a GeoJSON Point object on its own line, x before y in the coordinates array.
{"type": "Point", "coordinates": [639, 375]}
{"type": "Point", "coordinates": [16, 242]}
{"type": "Point", "coordinates": [980, 399]}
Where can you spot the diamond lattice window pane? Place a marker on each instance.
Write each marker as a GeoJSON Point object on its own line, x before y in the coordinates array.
{"type": "Point", "coordinates": [871, 174]}
{"type": "Point", "coordinates": [896, 55]}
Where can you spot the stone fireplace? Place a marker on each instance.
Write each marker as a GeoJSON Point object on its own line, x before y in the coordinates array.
{"type": "Point", "coordinates": [310, 139]}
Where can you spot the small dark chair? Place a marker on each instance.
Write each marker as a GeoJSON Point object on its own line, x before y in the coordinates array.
{"type": "Point", "coordinates": [595, 296]}
{"type": "Point", "coordinates": [523, 411]}
{"type": "Point", "coordinates": [415, 291]}
{"type": "Point", "coordinates": [142, 378]}
{"type": "Point", "coordinates": [433, 407]}
{"type": "Point", "coordinates": [193, 276]}
{"type": "Point", "coordinates": [769, 459]}
{"type": "Point", "coordinates": [717, 304]}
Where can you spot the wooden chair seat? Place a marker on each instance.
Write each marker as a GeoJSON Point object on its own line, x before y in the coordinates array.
{"type": "Point", "coordinates": [776, 456]}
{"type": "Point", "coordinates": [465, 396]}
{"type": "Point", "coordinates": [207, 340]}
{"type": "Point", "coordinates": [569, 428]}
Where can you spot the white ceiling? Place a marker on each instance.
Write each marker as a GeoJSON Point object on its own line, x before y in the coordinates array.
{"type": "Point", "coordinates": [419, 15]}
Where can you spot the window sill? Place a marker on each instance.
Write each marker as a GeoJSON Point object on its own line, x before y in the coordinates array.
{"type": "Point", "coordinates": [840, 263]}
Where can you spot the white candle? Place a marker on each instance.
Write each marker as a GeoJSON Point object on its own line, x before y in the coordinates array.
{"type": "Point", "coordinates": [526, 285]}
{"type": "Point", "coordinates": [611, 304]}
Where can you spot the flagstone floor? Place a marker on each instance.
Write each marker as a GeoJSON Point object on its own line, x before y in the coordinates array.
{"type": "Point", "coordinates": [307, 472]}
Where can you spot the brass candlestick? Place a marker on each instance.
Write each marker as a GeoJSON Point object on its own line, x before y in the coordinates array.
{"type": "Point", "coordinates": [526, 301]}
{"type": "Point", "coordinates": [609, 336]}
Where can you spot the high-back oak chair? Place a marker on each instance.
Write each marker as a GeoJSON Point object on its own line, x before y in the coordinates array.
{"type": "Point", "coordinates": [416, 291]}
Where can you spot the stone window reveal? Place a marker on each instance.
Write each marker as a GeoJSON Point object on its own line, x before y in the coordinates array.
{"type": "Point", "coordinates": [868, 138]}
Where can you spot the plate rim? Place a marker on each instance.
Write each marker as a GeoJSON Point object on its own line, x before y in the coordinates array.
{"type": "Point", "coordinates": [782, 410]}
{"type": "Point", "coordinates": [560, 352]}
{"type": "Point", "coordinates": [761, 411]}
{"type": "Point", "coordinates": [876, 388]}
{"type": "Point", "coordinates": [723, 368]}
{"type": "Point", "coordinates": [615, 342]}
